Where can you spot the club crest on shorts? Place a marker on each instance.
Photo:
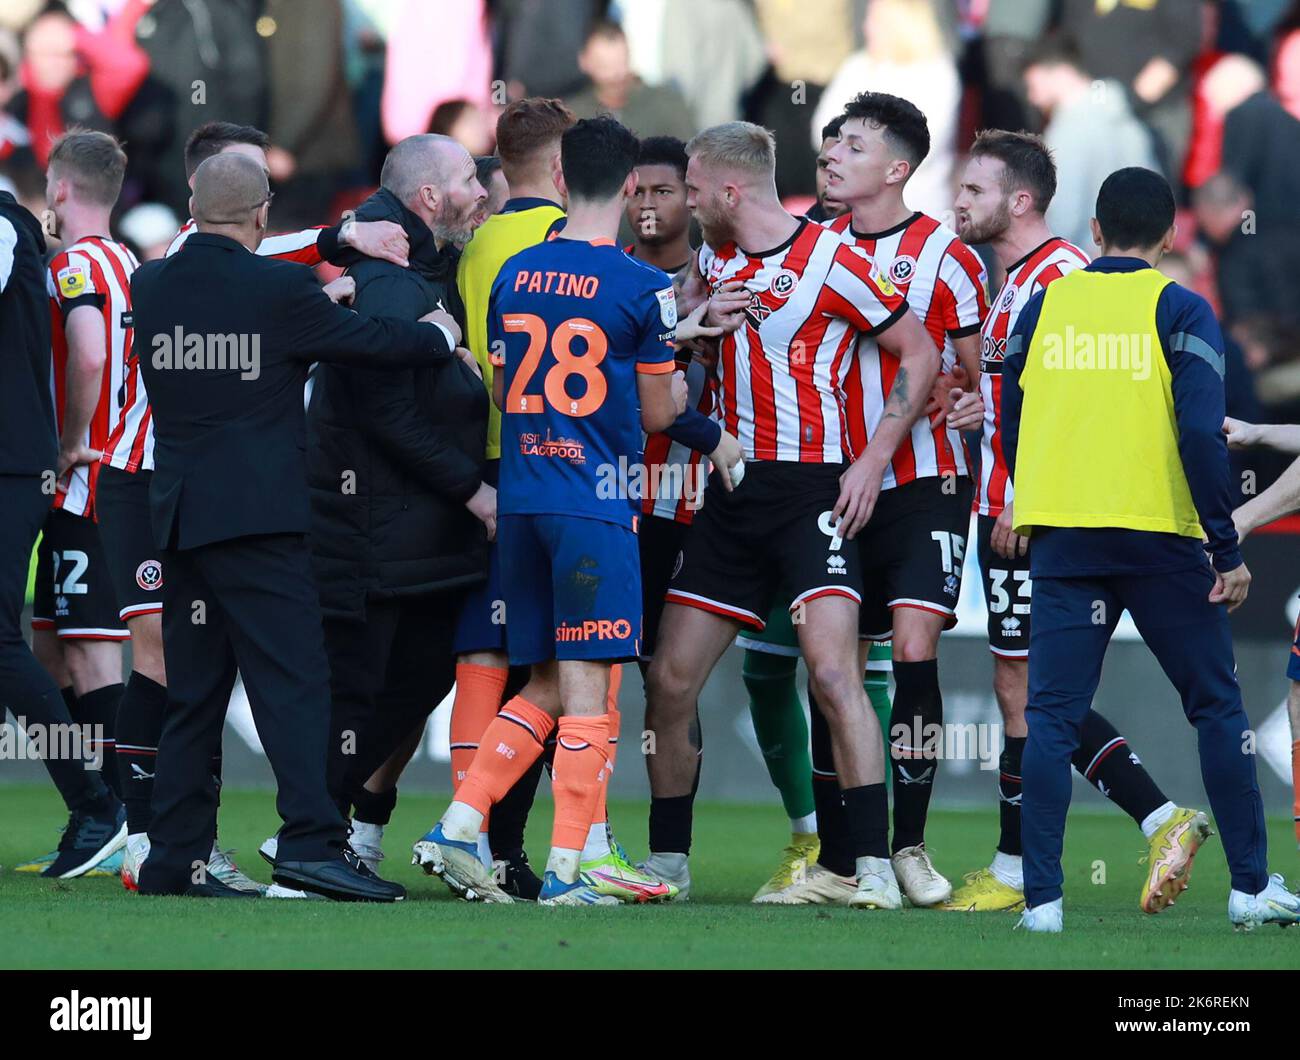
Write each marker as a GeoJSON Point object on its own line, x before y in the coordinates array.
{"type": "Point", "coordinates": [783, 284]}
{"type": "Point", "coordinates": [149, 575]}
{"type": "Point", "coordinates": [902, 270]}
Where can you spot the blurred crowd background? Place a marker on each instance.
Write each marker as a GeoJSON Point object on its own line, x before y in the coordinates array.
{"type": "Point", "coordinates": [1207, 92]}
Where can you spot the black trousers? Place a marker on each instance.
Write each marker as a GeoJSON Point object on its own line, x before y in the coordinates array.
{"type": "Point", "coordinates": [25, 688]}
{"type": "Point", "coordinates": [248, 605]}
{"type": "Point", "coordinates": [387, 674]}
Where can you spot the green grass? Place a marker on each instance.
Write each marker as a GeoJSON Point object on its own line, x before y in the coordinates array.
{"type": "Point", "coordinates": [91, 924]}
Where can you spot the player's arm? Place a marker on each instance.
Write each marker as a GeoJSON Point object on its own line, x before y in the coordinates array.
{"type": "Point", "coordinates": [918, 368]}
{"type": "Point", "coordinates": [1281, 498]}
{"type": "Point", "coordinates": [965, 305]}
{"type": "Point", "coordinates": [87, 355]}
{"type": "Point", "coordinates": [1284, 437]}
{"type": "Point", "coordinates": [1196, 364]}
{"type": "Point", "coordinates": [662, 393]}
{"type": "Point", "coordinates": [309, 327]}
{"type": "Point", "coordinates": [8, 243]}
{"type": "Point", "coordinates": [1013, 366]}
{"type": "Point", "coordinates": [343, 244]}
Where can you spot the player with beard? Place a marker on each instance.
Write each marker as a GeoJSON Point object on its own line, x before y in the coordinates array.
{"type": "Point", "coordinates": [394, 554]}
{"type": "Point", "coordinates": [1005, 191]}
{"type": "Point", "coordinates": [911, 551]}
{"type": "Point", "coordinates": [792, 314]}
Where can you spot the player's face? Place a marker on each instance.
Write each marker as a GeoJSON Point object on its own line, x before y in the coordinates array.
{"type": "Point", "coordinates": [706, 200]}
{"type": "Point", "coordinates": [658, 210]}
{"type": "Point", "coordinates": [830, 207]}
{"type": "Point", "coordinates": [859, 164]}
{"type": "Point", "coordinates": [498, 191]}
{"type": "Point", "coordinates": [983, 207]}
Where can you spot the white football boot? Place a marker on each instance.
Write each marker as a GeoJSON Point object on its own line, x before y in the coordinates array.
{"type": "Point", "coordinates": [671, 869]}
{"type": "Point", "coordinates": [1047, 918]}
{"type": "Point", "coordinates": [1273, 905]}
{"type": "Point", "coordinates": [917, 875]}
{"type": "Point", "coordinates": [876, 886]}
{"type": "Point", "coordinates": [816, 885]}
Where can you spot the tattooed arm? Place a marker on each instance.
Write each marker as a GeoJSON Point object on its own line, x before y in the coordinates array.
{"type": "Point", "coordinates": [918, 368]}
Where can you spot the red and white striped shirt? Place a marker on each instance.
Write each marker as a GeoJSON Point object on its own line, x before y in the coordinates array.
{"type": "Point", "coordinates": [130, 447]}
{"type": "Point", "coordinates": [781, 375]}
{"type": "Point", "coordinates": [92, 272]}
{"type": "Point", "coordinates": [1025, 279]}
{"type": "Point", "coordinates": [676, 473]}
{"type": "Point", "coordinates": [946, 286]}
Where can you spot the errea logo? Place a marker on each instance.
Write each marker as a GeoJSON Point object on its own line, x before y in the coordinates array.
{"type": "Point", "coordinates": [77, 1013]}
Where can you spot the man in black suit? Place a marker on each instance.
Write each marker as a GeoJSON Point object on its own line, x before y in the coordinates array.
{"type": "Point", "coordinates": [225, 339]}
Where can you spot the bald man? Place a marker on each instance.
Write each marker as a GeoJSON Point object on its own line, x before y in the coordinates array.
{"type": "Point", "coordinates": [394, 555]}
{"type": "Point", "coordinates": [225, 338]}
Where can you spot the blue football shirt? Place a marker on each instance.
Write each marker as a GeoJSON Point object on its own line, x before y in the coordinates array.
{"type": "Point", "coordinates": [573, 323]}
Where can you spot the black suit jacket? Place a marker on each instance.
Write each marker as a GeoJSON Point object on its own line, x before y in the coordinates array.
{"type": "Point", "coordinates": [225, 339]}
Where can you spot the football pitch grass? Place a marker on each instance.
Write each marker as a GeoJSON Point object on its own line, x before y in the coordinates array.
{"type": "Point", "coordinates": [95, 924]}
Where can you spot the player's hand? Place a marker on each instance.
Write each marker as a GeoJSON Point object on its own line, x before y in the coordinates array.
{"type": "Point", "coordinates": [73, 457]}
{"type": "Point", "coordinates": [483, 506]}
{"type": "Point", "coordinates": [470, 360]}
{"type": "Point", "coordinates": [441, 316]}
{"type": "Point", "coordinates": [680, 391]}
{"type": "Point", "coordinates": [1240, 434]}
{"type": "Point", "coordinates": [378, 239]}
{"type": "Point", "coordinates": [1005, 541]}
{"type": "Point", "coordinates": [1231, 587]}
{"type": "Point", "coordinates": [965, 411]}
{"type": "Point", "coordinates": [692, 328]}
{"type": "Point", "coordinates": [341, 291]}
{"type": "Point", "coordinates": [726, 309]}
{"type": "Point", "coordinates": [725, 457]}
{"type": "Point", "coordinates": [1242, 525]}
{"type": "Point", "coordinates": [859, 491]}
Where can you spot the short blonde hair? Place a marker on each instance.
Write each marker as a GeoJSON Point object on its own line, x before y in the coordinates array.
{"type": "Point", "coordinates": [738, 145]}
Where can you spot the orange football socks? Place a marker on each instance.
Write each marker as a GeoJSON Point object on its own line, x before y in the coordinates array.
{"type": "Point", "coordinates": [510, 745]}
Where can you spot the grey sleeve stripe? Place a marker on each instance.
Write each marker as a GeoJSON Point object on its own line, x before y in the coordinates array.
{"type": "Point", "coordinates": [1014, 345]}
{"type": "Point", "coordinates": [8, 240]}
{"type": "Point", "coordinates": [1186, 342]}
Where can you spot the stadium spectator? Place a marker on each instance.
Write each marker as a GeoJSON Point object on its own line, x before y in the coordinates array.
{"type": "Point", "coordinates": [1008, 33]}
{"type": "Point", "coordinates": [807, 41]}
{"type": "Point", "coordinates": [714, 89]}
{"type": "Point", "coordinates": [538, 42]}
{"type": "Point", "coordinates": [415, 83]}
{"type": "Point", "coordinates": [1149, 49]}
{"type": "Point", "coordinates": [1286, 61]}
{"type": "Point", "coordinates": [1090, 130]}
{"type": "Point", "coordinates": [615, 89]}
{"type": "Point", "coordinates": [310, 119]}
{"type": "Point", "coordinates": [1256, 263]}
{"type": "Point", "coordinates": [466, 123]}
{"type": "Point", "coordinates": [906, 55]}
{"type": "Point", "coordinates": [392, 555]}
{"type": "Point", "coordinates": [1261, 141]}
{"type": "Point", "coordinates": [210, 63]}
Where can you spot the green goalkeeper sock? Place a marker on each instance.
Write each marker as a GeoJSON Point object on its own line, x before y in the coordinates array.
{"type": "Point", "coordinates": [876, 685]}
{"type": "Point", "coordinates": [782, 731]}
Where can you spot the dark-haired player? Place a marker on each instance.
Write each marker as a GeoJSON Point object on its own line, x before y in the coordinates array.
{"type": "Point", "coordinates": [826, 208]}
{"type": "Point", "coordinates": [1005, 192]}
{"type": "Point", "coordinates": [911, 551]}
{"type": "Point", "coordinates": [583, 334]}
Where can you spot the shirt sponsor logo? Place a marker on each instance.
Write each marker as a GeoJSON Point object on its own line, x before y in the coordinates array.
{"type": "Point", "coordinates": [533, 444]}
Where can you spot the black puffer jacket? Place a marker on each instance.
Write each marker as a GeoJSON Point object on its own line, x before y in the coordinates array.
{"type": "Point", "coordinates": [394, 456]}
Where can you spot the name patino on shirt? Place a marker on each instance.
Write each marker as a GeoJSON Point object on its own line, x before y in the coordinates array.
{"type": "Point", "coordinates": [194, 351]}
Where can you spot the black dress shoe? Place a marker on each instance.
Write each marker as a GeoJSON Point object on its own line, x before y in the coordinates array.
{"type": "Point", "coordinates": [336, 879]}
{"type": "Point", "coordinates": [209, 889]}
